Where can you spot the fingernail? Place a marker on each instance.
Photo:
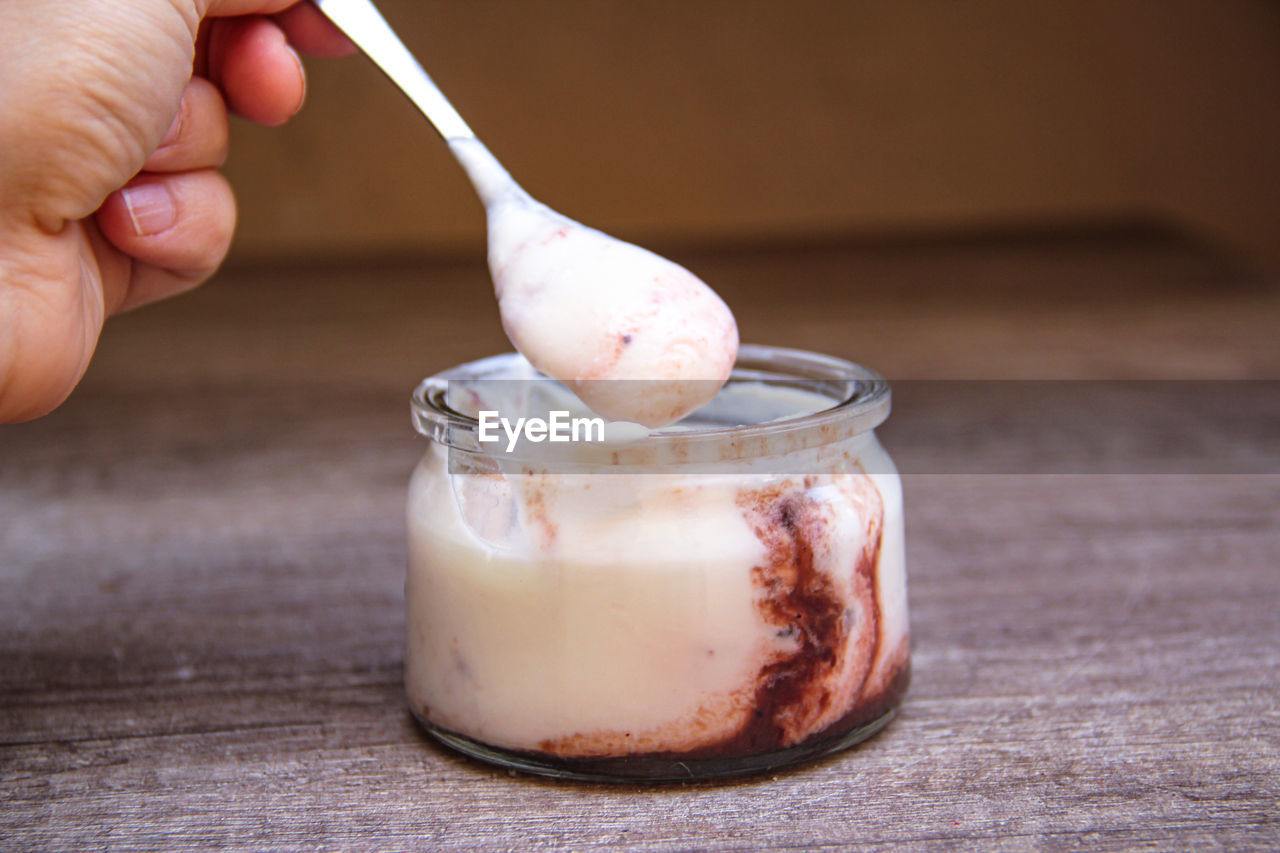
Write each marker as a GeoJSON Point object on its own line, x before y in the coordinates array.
{"type": "Point", "coordinates": [175, 128]}
{"type": "Point", "coordinates": [150, 207]}
{"type": "Point", "coordinates": [302, 75]}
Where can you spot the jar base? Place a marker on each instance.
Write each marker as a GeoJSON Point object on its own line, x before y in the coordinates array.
{"type": "Point", "coordinates": [655, 768]}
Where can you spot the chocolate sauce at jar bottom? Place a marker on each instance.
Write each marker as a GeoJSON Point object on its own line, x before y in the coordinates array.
{"type": "Point", "coordinates": [727, 758]}
{"type": "Point", "coordinates": [754, 740]}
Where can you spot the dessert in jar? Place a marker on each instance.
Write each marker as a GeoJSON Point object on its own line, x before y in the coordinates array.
{"type": "Point", "coordinates": [723, 595]}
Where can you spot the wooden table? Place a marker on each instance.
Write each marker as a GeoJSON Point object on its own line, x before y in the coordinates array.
{"type": "Point", "coordinates": [201, 560]}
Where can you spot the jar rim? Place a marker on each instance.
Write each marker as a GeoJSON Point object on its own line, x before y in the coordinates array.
{"type": "Point", "coordinates": [860, 401]}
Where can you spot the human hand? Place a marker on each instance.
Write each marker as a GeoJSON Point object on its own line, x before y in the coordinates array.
{"type": "Point", "coordinates": [113, 123]}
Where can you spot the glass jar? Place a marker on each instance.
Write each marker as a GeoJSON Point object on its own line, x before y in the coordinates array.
{"type": "Point", "coordinates": [723, 596]}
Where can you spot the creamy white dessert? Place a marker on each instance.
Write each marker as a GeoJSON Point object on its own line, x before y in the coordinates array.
{"type": "Point", "coordinates": [727, 611]}
{"type": "Point", "coordinates": [589, 309]}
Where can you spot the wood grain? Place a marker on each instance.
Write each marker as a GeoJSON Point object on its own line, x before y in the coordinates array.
{"type": "Point", "coordinates": [201, 562]}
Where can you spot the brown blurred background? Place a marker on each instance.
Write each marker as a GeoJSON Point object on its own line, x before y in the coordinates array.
{"type": "Point", "coordinates": [729, 121]}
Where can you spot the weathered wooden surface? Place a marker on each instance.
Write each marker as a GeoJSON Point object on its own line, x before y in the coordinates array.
{"type": "Point", "coordinates": [201, 559]}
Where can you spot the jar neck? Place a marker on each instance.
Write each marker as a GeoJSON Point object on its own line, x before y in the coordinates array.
{"type": "Point", "coordinates": [778, 405]}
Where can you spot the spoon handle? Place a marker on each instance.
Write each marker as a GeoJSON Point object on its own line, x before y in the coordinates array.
{"type": "Point", "coordinates": [364, 25]}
